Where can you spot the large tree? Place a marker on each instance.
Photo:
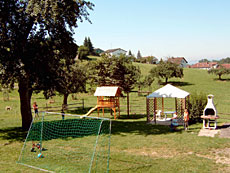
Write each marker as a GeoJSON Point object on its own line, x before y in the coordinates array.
{"type": "Point", "coordinates": [219, 71]}
{"type": "Point", "coordinates": [33, 35]}
{"type": "Point", "coordinates": [116, 71]}
{"type": "Point", "coordinates": [166, 70]}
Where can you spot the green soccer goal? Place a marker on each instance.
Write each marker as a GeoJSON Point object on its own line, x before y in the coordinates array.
{"type": "Point", "coordinates": [66, 143]}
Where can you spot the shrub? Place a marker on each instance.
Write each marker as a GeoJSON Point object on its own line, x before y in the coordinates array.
{"type": "Point", "coordinates": [196, 105]}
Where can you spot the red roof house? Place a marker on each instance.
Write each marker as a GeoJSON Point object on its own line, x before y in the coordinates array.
{"type": "Point", "coordinates": [204, 65]}
{"type": "Point", "coordinates": [227, 66]}
{"type": "Point", "coordinates": [181, 61]}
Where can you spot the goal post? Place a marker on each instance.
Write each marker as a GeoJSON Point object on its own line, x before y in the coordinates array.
{"type": "Point", "coordinates": [61, 142]}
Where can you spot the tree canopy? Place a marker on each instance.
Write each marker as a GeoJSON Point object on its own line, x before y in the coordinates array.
{"type": "Point", "coordinates": [83, 52]}
{"type": "Point", "coordinates": [87, 43]}
{"type": "Point", "coordinates": [71, 80]}
{"type": "Point", "coordinates": [34, 36]}
{"type": "Point", "coordinates": [166, 70]}
{"type": "Point", "coordinates": [204, 60]}
{"type": "Point", "coordinates": [224, 61]}
{"type": "Point", "coordinates": [139, 55]}
{"type": "Point", "coordinates": [219, 71]}
{"type": "Point", "coordinates": [116, 71]}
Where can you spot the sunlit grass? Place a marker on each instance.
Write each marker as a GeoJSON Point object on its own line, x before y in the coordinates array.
{"type": "Point", "coordinates": [135, 145]}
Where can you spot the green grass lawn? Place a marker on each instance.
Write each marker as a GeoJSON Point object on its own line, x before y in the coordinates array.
{"type": "Point", "coordinates": [135, 145]}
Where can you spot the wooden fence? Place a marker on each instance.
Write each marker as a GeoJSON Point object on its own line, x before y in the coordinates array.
{"type": "Point", "coordinates": [49, 108]}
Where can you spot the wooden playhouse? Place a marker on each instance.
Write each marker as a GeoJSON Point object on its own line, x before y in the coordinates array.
{"type": "Point", "coordinates": [108, 97]}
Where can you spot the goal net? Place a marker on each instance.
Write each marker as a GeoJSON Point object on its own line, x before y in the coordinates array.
{"type": "Point", "coordinates": [66, 143]}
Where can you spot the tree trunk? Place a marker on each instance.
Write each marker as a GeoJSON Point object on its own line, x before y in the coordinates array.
{"type": "Point", "coordinates": [25, 94]}
{"type": "Point", "coordinates": [166, 80]}
{"type": "Point", "coordinates": [65, 100]}
{"type": "Point", "coordinates": [128, 104]}
{"type": "Point", "coordinates": [219, 77]}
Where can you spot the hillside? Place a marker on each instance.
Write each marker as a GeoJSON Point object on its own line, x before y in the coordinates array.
{"type": "Point", "coordinates": [135, 145]}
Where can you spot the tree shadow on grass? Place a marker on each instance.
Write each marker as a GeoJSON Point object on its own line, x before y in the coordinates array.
{"type": "Point", "coordinates": [13, 134]}
{"type": "Point", "coordinates": [79, 111]}
{"type": "Point", "coordinates": [223, 80]}
{"type": "Point", "coordinates": [177, 83]}
{"type": "Point", "coordinates": [119, 127]}
{"type": "Point", "coordinates": [139, 128]}
{"type": "Point", "coordinates": [132, 116]}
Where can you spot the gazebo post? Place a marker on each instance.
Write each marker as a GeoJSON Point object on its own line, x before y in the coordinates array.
{"type": "Point", "coordinates": [147, 109]}
{"type": "Point", "coordinates": [155, 108]}
{"type": "Point", "coordinates": [176, 104]}
{"type": "Point", "coordinates": [162, 104]}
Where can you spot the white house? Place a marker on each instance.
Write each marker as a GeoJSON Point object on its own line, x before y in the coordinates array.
{"type": "Point", "coordinates": [115, 52]}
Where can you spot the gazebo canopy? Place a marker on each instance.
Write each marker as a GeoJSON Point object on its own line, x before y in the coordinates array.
{"type": "Point", "coordinates": [169, 91]}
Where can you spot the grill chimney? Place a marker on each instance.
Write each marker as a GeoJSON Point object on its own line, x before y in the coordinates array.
{"type": "Point", "coordinates": [210, 109]}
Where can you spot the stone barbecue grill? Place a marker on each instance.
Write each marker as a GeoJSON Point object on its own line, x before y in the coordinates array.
{"type": "Point", "coordinates": [210, 114]}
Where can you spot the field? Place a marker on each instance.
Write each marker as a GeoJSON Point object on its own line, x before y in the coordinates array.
{"type": "Point", "coordinates": [135, 145]}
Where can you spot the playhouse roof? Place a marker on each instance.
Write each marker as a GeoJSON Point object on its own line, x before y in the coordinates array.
{"type": "Point", "coordinates": [107, 91]}
{"type": "Point", "coordinates": [169, 91]}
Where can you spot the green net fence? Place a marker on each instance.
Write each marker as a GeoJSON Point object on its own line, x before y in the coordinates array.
{"type": "Point", "coordinates": [66, 143]}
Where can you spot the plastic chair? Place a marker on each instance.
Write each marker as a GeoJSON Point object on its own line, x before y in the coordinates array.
{"type": "Point", "coordinates": [159, 113]}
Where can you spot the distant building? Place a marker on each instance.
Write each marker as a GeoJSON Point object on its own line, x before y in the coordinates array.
{"type": "Point", "coordinates": [227, 66]}
{"type": "Point", "coordinates": [204, 65]}
{"type": "Point", "coordinates": [181, 61]}
{"type": "Point", "coordinates": [115, 52]}
{"type": "Point", "coordinates": [98, 51]}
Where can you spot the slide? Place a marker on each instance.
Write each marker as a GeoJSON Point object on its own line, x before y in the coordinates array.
{"type": "Point", "coordinates": [90, 111]}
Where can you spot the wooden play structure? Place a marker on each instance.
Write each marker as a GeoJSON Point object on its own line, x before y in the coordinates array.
{"type": "Point", "coordinates": [155, 104]}
{"type": "Point", "coordinates": [107, 97]}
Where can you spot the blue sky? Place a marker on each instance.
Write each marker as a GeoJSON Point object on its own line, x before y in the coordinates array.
{"type": "Point", "coordinates": [194, 29]}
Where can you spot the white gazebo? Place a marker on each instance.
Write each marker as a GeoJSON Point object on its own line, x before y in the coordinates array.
{"type": "Point", "coordinates": [155, 102]}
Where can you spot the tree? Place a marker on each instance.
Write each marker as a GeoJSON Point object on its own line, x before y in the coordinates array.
{"type": "Point", "coordinates": [140, 83]}
{"type": "Point", "coordinates": [90, 46]}
{"type": "Point", "coordinates": [116, 71]}
{"type": "Point", "coordinates": [167, 70]}
{"type": "Point", "coordinates": [130, 53]}
{"type": "Point", "coordinates": [196, 105]}
{"type": "Point", "coordinates": [225, 61]}
{"type": "Point", "coordinates": [87, 43]}
{"type": "Point", "coordinates": [219, 71]}
{"type": "Point", "coordinates": [139, 55]}
{"type": "Point", "coordinates": [72, 80]}
{"type": "Point", "coordinates": [83, 52]}
{"type": "Point", "coordinates": [33, 34]}
{"type": "Point", "coordinates": [148, 81]}
{"type": "Point", "coordinates": [204, 60]}
{"type": "Point", "coordinates": [151, 59]}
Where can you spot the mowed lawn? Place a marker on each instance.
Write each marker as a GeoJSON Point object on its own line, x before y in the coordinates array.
{"type": "Point", "coordinates": [135, 145]}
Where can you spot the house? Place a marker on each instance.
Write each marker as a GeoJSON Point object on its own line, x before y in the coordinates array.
{"type": "Point", "coordinates": [227, 66]}
{"type": "Point", "coordinates": [181, 61]}
{"type": "Point", "coordinates": [98, 50]}
{"type": "Point", "coordinates": [204, 65]}
{"type": "Point", "coordinates": [115, 52]}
